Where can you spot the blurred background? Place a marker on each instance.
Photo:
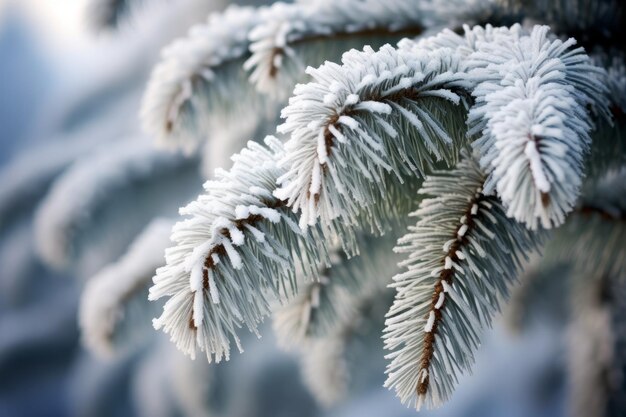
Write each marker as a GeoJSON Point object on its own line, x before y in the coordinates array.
{"type": "Point", "coordinates": [69, 104]}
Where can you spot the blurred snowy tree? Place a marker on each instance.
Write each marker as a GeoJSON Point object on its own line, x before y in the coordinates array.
{"type": "Point", "coordinates": [496, 123]}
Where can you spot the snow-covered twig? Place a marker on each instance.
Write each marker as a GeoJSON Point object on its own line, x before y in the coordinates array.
{"type": "Point", "coordinates": [233, 256]}
{"type": "Point", "coordinates": [182, 103]}
{"type": "Point", "coordinates": [199, 85]}
{"type": "Point", "coordinates": [380, 114]}
{"type": "Point", "coordinates": [464, 253]}
{"type": "Point", "coordinates": [290, 38]}
{"type": "Point", "coordinates": [532, 120]}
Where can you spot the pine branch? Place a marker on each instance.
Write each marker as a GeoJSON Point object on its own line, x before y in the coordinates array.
{"type": "Point", "coordinates": [379, 114]}
{"type": "Point", "coordinates": [113, 309]}
{"type": "Point", "coordinates": [532, 147]}
{"type": "Point", "coordinates": [291, 38]}
{"type": "Point", "coordinates": [447, 296]}
{"type": "Point", "coordinates": [184, 101]}
{"type": "Point", "coordinates": [76, 197]}
{"type": "Point", "coordinates": [200, 83]}
{"type": "Point", "coordinates": [233, 257]}
{"type": "Point", "coordinates": [533, 121]}
{"type": "Point", "coordinates": [361, 136]}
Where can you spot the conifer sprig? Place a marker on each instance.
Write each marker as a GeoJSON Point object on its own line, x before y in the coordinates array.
{"type": "Point", "coordinates": [463, 254]}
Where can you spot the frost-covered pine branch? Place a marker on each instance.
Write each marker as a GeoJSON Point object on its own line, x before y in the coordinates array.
{"type": "Point", "coordinates": [379, 115]}
{"type": "Point", "coordinates": [357, 135]}
{"type": "Point", "coordinates": [527, 86]}
{"type": "Point", "coordinates": [233, 256]}
{"type": "Point", "coordinates": [202, 78]}
{"type": "Point", "coordinates": [531, 114]}
{"type": "Point", "coordinates": [464, 253]}
{"type": "Point", "coordinates": [170, 110]}
{"type": "Point", "coordinates": [113, 304]}
{"type": "Point", "coordinates": [529, 111]}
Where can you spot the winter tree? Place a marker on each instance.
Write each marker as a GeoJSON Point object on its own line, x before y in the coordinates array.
{"type": "Point", "coordinates": [439, 150]}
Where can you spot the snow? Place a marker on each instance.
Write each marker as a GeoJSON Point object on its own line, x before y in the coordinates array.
{"type": "Point", "coordinates": [430, 322]}
{"type": "Point", "coordinates": [440, 300]}
{"type": "Point", "coordinates": [322, 152]}
{"type": "Point", "coordinates": [316, 180]}
{"type": "Point", "coordinates": [374, 107]}
{"type": "Point", "coordinates": [349, 122]}
{"type": "Point", "coordinates": [215, 296]}
{"type": "Point", "coordinates": [351, 99]}
{"type": "Point", "coordinates": [195, 278]}
{"type": "Point", "coordinates": [198, 307]}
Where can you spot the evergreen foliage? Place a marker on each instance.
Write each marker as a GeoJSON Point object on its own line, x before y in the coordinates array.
{"type": "Point", "coordinates": [490, 121]}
